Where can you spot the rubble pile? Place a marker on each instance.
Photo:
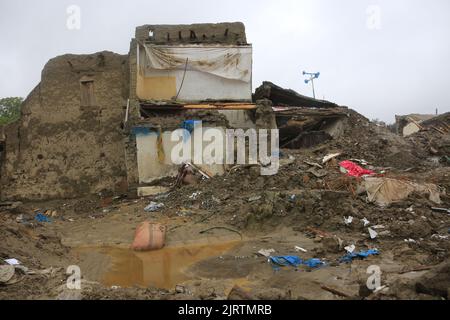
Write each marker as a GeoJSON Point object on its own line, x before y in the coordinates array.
{"type": "Point", "coordinates": [309, 193]}
{"type": "Point", "coordinates": [363, 196]}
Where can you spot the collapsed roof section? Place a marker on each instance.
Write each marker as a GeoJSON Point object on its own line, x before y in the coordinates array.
{"type": "Point", "coordinates": [288, 97]}
{"type": "Point", "coordinates": [303, 122]}
{"type": "Point", "coordinates": [410, 124]}
{"type": "Point", "coordinates": [307, 127]}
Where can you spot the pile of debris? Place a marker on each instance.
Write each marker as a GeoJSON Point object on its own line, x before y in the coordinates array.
{"type": "Point", "coordinates": [358, 193]}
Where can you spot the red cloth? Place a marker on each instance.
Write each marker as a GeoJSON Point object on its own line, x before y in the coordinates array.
{"type": "Point", "coordinates": [354, 170]}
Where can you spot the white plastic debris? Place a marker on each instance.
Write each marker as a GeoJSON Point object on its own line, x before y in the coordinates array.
{"type": "Point", "coordinates": [153, 206]}
{"type": "Point", "coordinates": [12, 262]}
{"type": "Point", "coordinates": [343, 170]}
{"type": "Point", "coordinates": [410, 240]}
{"type": "Point", "coordinates": [373, 234]}
{"type": "Point", "coordinates": [194, 195]}
{"type": "Point", "coordinates": [348, 220]}
{"type": "Point", "coordinates": [439, 237]}
{"type": "Point", "coordinates": [360, 161]}
{"type": "Point", "coordinates": [366, 222]}
{"type": "Point", "coordinates": [350, 248]}
{"type": "Point", "coordinates": [255, 198]}
{"type": "Point", "coordinates": [380, 288]}
{"type": "Point", "coordinates": [266, 252]}
{"type": "Point", "coordinates": [329, 157]}
{"type": "Point", "coordinates": [297, 248]}
{"type": "Point", "coordinates": [313, 164]}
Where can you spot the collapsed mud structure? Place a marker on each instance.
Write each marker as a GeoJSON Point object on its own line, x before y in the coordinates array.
{"type": "Point", "coordinates": [93, 146]}
{"type": "Point", "coordinates": [83, 127]}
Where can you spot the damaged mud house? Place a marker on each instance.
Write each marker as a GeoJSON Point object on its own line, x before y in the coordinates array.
{"type": "Point", "coordinates": [100, 125]}
{"type": "Point", "coordinates": [103, 121]}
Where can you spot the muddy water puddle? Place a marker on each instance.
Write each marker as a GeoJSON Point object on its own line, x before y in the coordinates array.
{"type": "Point", "coordinates": [162, 268]}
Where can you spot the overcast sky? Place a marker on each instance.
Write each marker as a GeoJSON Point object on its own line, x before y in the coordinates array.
{"type": "Point", "coordinates": [379, 57]}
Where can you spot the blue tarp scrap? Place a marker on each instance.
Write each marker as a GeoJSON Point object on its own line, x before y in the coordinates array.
{"type": "Point", "coordinates": [284, 261]}
{"type": "Point", "coordinates": [362, 254]}
{"type": "Point", "coordinates": [313, 263]}
{"type": "Point", "coordinates": [294, 261]}
{"type": "Point", "coordinates": [189, 126]}
{"type": "Point", "coordinates": [140, 131]}
{"type": "Point", "coordinates": [42, 218]}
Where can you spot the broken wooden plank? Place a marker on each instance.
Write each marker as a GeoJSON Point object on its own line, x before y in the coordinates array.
{"type": "Point", "coordinates": [335, 291]}
{"type": "Point", "coordinates": [237, 106]}
{"type": "Point", "coordinates": [438, 130]}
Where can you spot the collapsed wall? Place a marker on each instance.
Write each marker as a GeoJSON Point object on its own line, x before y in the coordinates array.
{"type": "Point", "coordinates": [68, 140]}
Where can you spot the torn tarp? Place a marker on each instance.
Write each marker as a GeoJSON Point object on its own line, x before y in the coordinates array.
{"type": "Point", "coordinates": [229, 62]}
{"type": "Point", "coordinates": [362, 255]}
{"type": "Point", "coordinates": [384, 191]}
{"type": "Point", "coordinates": [294, 261]}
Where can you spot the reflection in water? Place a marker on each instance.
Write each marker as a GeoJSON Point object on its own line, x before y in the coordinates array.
{"type": "Point", "coordinates": [162, 268]}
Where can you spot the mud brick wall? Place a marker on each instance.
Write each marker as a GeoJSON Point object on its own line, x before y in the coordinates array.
{"type": "Point", "coordinates": [61, 149]}
{"type": "Point", "coordinates": [225, 33]}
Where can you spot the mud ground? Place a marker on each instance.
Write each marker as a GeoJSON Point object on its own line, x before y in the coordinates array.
{"type": "Point", "coordinates": [294, 208]}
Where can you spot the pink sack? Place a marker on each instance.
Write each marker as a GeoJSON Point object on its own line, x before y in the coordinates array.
{"type": "Point", "coordinates": [149, 236]}
{"type": "Point", "coordinates": [354, 170]}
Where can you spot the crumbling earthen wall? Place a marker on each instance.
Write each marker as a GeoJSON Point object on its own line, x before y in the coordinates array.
{"type": "Point", "coordinates": [68, 141]}
{"type": "Point", "coordinates": [225, 33]}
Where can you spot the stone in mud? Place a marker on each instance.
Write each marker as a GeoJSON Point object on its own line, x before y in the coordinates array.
{"type": "Point", "coordinates": [332, 244]}
{"type": "Point", "coordinates": [414, 229]}
{"type": "Point", "coordinates": [6, 273]}
{"type": "Point", "coordinates": [435, 282]}
{"type": "Point", "coordinates": [262, 211]}
{"type": "Point", "coordinates": [274, 294]}
{"type": "Point", "coordinates": [237, 293]}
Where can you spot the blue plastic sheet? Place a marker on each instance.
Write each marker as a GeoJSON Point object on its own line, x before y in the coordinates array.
{"type": "Point", "coordinates": [294, 261]}
{"type": "Point", "coordinates": [286, 261]}
{"type": "Point", "coordinates": [189, 126]}
{"type": "Point", "coordinates": [362, 255]}
{"type": "Point", "coordinates": [41, 218]}
{"type": "Point", "coordinates": [313, 263]}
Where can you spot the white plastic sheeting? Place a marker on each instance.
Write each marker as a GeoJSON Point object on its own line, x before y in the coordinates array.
{"type": "Point", "coordinates": [384, 191]}
{"type": "Point", "coordinates": [234, 63]}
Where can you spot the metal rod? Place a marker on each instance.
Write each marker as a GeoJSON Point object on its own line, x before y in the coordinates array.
{"type": "Point", "coordinates": [314, 92]}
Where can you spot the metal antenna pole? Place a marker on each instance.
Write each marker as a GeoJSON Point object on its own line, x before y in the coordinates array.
{"type": "Point", "coordinates": [312, 76]}
{"type": "Point", "coordinates": [314, 92]}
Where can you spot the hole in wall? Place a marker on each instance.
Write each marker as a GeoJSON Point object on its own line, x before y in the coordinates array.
{"type": "Point", "coordinates": [2, 154]}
